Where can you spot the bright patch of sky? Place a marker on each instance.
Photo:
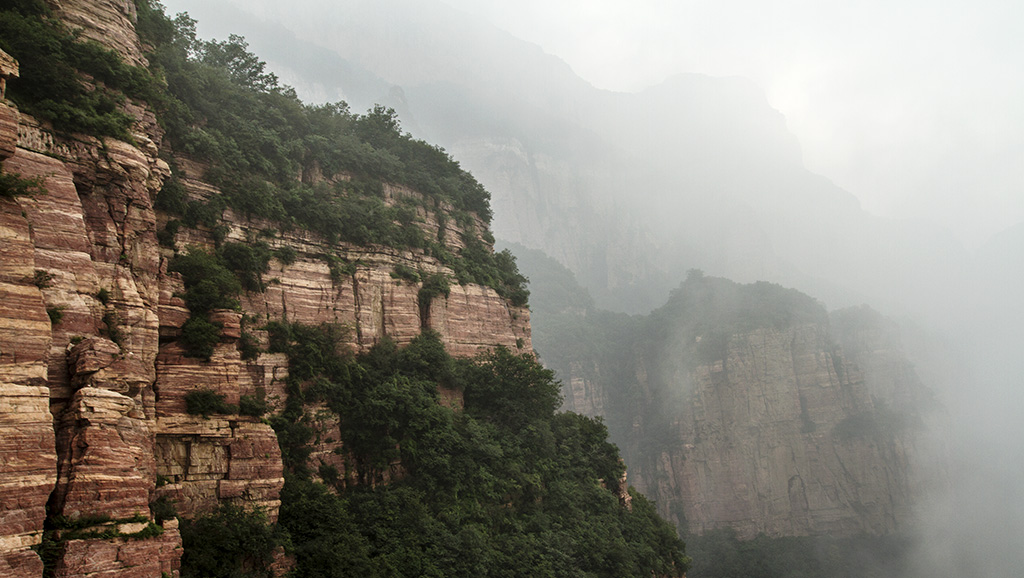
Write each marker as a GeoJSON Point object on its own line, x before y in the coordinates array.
{"type": "Point", "coordinates": [913, 106]}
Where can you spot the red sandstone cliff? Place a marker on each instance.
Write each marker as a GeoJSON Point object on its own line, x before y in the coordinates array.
{"type": "Point", "coordinates": [95, 425]}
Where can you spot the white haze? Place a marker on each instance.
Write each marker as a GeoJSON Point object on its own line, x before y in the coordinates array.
{"type": "Point", "coordinates": [915, 108]}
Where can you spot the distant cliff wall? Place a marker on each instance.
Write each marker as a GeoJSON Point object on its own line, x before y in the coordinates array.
{"type": "Point", "coordinates": [792, 425]}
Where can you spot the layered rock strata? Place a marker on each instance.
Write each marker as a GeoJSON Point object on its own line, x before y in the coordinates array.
{"type": "Point", "coordinates": [93, 380]}
{"type": "Point", "coordinates": [109, 22]}
{"type": "Point", "coordinates": [118, 558]}
{"type": "Point", "coordinates": [27, 475]}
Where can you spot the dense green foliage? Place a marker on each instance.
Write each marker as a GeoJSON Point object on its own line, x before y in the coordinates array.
{"type": "Point", "coordinates": [206, 402]}
{"type": "Point", "coordinates": [217, 103]}
{"type": "Point", "coordinates": [224, 107]}
{"type": "Point", "coordinates": [507, 487]}
{"type": "Point", "coordinates": [77, 85]}
{"type": "Point", "coordinates": [209, 285]}
{"type": "Point", "coordinates": [405, 273]}
{"type": "Point", "coordinates": [498, 270]}
{"type": "Point", "coordinates": [214, 281]}
{"type": "Point", "coordinates": [719, 554]}
{"type": "Point", "coordinates": [254, 406]}
{"type": "Point", "coordinates": [231, 542]}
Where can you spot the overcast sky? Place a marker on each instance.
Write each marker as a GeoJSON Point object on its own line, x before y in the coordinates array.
{"type": "Point", "coordinates": [916, 107]}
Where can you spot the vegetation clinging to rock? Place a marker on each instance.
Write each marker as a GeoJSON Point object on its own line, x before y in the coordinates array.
{"type": "Point", "coordinates": [218, 103]}
{"type": "Point", "coordinates": [508, 483]}
{"type": "Point", "coordinates": [222, 106]}
{"type": "Point", "coordinates": [77, 85]}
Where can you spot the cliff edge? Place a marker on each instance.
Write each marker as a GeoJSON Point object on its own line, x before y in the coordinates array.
{"type": "Point", "coordinates": [93, 373]}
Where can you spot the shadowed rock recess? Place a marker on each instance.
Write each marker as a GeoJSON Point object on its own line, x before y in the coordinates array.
{"type": "Point", "coordinates": [131, 294]}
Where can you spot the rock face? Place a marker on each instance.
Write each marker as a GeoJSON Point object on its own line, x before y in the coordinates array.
{"type": "Point", "coordinates": [93, 380]}
{"type": "Point", "coordinates": [109, 22]}
{"type": "Point", "coordinates": [27, 475]}
{"type": "Point", "coordinates": [28, 460]}
{"type": "Point", "coordinates": [764, 427]}
{"type": "Point", "coordinates": [765, 447]}
{"type": "Point", "coordinates": [117, 558]}
{"type": "Point", "coordinates": [201, 463]}
{"type": "Point", "coordinates": [106, 460]}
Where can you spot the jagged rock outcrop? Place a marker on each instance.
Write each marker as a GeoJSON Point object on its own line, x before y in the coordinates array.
{"type": "Point", "coordinates": [93, 380]}
{"type": "Point", "coordinates": [105, 449]}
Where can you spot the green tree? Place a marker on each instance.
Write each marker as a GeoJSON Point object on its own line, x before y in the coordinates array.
{"type": "Point", "coordinates": [509, 389]}
{"type": "Point", "coordinates": [229, 543]}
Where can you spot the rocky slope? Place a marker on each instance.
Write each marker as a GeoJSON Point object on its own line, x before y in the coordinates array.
{"type": "Point", "coordinates": [92, 376]}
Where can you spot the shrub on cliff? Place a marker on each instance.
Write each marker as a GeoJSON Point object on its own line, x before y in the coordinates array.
{"type": "Point", "coordinates": [14, 185]}
{"type": "Point", "coordinates": [209, 284]}
{"type": "Point", "coordinates": [228, 543]}
{"type": "Point", "coordinates": [199, 336]}
{"type": "Point", "coordinates": [206, 402]}
{"type": "Point", "coordinates": [434, 285]}
{"type": "Point", "coordinates": [252, 406]}
{"type": "Point", "coordinates": [509, 390]}
{"type": "Point", "coordinates": [248, 261]}
{"type": "Point", "coordinates": [77, 85]}
{"type": "Point", "coordinates": [497, 270]}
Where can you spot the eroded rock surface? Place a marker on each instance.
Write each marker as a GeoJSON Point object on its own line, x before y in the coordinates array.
{"type": "Point", "coordinates": [27, 475]}
{"type": "Point", "coordinates": [109, 22]}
